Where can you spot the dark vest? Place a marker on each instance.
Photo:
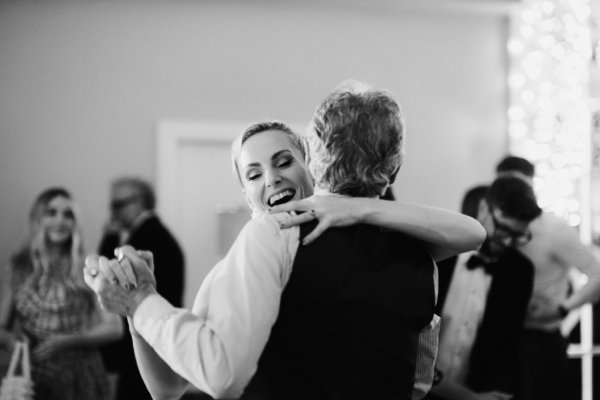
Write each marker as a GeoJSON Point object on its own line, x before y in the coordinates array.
{"type": "Point", "coordinates": [349, 319]}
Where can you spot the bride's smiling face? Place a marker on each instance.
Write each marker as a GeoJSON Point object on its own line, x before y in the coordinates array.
{"type": "Point", "coordinates": [272, 170]}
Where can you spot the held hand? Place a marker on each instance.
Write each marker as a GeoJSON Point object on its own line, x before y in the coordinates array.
{"type": "Point", "coordinates": [99, 275]}
{"type": "Point", "coordinates": [148, 257]}
{"type": "Point", "coordinates": [330, 210]}
{"type": "Point", "coordinates": [138, 265]}
{"type": "Point", "coordinates": [111, 297]}
{"type": "Point", "coordinates": [119, 271]}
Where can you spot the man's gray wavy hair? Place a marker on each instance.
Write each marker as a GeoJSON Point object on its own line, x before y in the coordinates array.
{"type": "Point", "coordinates": [356, 141]}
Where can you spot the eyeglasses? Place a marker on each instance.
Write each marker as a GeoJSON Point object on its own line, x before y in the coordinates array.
{"type": "Point", "coordinates": [121, 203]}
{"type": "Point", "coordinates": [504, 233]}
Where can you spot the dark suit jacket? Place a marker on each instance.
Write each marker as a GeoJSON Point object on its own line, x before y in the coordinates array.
{"type": "Point", "coordinates": [494, 353]}
{"type": "Point", "coordinates": [151, 235]}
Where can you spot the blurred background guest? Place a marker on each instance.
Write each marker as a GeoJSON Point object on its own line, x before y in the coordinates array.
{"type": "Point", "coordinates": [554, 249]}
{"type": "Point", "coordinates": [486, 302]}
{"type": "Point", "coordinates": [44, 300]}
{"type": "Point", "coordinates": [470, 207]}
{"type": "Point", "coordinates": [134, 222]}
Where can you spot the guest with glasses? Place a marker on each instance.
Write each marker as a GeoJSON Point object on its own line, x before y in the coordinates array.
{"type": "Point", "coordinates": [487, 298]}
{"type": "Point", "coordinates": [134, 222]}
{"type": "Point", "coordinates": [509, 236]}
{"type": "Point", "coordinates": [554, 248]}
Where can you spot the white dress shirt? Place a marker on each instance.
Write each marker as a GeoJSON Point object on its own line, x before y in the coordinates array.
{"type": "Point", "coordinates": [216, 346]}
{"type": "Point", "coordinates": [462, 314]}
{"type": "Point", "coordinates": [554, 249]}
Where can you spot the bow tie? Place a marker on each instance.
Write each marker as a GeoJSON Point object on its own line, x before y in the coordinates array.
{"type": "Point", "coordinates": [476, 260]}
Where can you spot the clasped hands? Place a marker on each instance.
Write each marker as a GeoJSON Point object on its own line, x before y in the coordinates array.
{"type": "Point", "coordinates": [121, 283]}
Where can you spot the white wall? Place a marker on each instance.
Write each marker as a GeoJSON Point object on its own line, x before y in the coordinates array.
{"type": "Point", "coordinates": [84, 83]}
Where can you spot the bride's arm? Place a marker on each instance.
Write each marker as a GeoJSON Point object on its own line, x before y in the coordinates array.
{"type": "Point", "coordinates": [446, 233]}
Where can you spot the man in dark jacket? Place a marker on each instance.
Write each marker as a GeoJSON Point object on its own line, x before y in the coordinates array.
{"type": "Point", "coordinates": [487, 297]}
{"type": "Point", "coordinates": [134, 222]}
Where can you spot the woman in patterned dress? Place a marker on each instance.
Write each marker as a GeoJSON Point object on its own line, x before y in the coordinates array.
{"type": "Point", "coordinates": [43, 298]}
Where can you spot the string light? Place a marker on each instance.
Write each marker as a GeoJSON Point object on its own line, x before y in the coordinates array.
{"type": "Point", "coordinates": [549, 117]}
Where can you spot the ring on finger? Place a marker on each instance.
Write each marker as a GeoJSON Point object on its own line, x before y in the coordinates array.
{"type": "Point", "coordinates": [120, 256]}
{"type": "Point", "coordinates": [313, 214]}
{"type": "Point", "coordinates": [93, 273]}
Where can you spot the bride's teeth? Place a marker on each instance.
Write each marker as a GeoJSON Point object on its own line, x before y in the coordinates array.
{"type": "Point", "coordinates": [279, 196]}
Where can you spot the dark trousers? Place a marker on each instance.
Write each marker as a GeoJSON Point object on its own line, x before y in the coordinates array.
{"type": "Point", "coordinates": [542, 366]}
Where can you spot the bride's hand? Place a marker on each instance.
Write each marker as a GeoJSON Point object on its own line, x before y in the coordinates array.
{"type": "Point", "coordinates": [330, 210]}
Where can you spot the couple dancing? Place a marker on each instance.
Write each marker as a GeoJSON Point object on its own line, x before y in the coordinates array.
{"type": "Point", "coordinates": [324, 303]}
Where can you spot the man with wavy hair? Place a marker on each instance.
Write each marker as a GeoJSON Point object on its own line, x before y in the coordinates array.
{"type": "Point", "coordinates": [358, 296]}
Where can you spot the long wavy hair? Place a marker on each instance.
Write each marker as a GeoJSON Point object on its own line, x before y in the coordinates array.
{"type": "Point", "coordinates": [32, 260]}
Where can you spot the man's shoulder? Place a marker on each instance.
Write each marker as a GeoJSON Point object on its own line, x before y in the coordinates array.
{"type": "Point", "coordinates": [367, 242]}
{"type": "Point", "coordinates": [369, 230]}
{"type": "Point", "coordinates": [152, 225]}
{"type": "Point", "coordinates": [547, 221]}
{"type": "Point", "coordinates": [550, 231]}
{"type": "Point", "coordinates": [152, 232]}
{"type": "Point", "coordinates": [151, 221]}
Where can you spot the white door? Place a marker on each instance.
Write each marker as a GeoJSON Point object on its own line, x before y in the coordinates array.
{"type": "Point", "coordinates": [199, 197]}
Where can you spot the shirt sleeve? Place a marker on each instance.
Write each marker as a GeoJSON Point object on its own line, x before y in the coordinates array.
{"type": "Point", "coordinates": [217, 345]}
{"type": "Point", "coordinates": [567, 246]}
{"type": "Point", "coordinates": [569, 249]}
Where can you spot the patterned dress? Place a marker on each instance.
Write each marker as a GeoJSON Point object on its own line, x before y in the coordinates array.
{"type": "Point", "coordinates": [44, 307]}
